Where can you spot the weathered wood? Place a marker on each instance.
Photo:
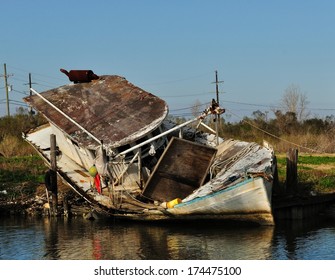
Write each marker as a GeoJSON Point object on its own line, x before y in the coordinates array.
{"type": "Point", "coordinates": [291, 170]}
{"type": "Point", "coordinates": [277, 189]}
{"type": "Point", "coordinates": [297, 207]}
{"type": "Point", "coordinates": [66, 206]}
{"type": "Point", "coordinates": [181, 169]}
{"type": "Point", "coordinates": [53, 164]}
{"type": "Point", "coordinates": [113, 102]}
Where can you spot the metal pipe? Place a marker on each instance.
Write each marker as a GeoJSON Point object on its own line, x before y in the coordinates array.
{"type": "Point", "coordinates": [156, 137]}
{"type": "Point", "coordinates": [127, 167]}
{"type": "Point", "coordinates": [206, 126]}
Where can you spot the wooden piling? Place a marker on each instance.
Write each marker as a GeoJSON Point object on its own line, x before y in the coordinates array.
{"type": "Point", "coordinates": [53, 164]}
{"type": "Point", "coordinates": [291, 170]}
{"type": "Point", "coordinates": [66, 206]}
{"type": "Point", "coordinates": [277, 189]}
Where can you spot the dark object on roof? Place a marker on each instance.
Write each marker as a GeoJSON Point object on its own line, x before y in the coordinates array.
{"type": "Point", "coordinates": [80, 76]}
{"type": "Point", "coordinates": [110, 108]}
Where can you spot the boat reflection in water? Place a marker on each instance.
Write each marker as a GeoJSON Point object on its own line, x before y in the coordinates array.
{"type": "Point", "coordinates": [79, 239]}
{"type": "Point", "coordinates": [100, 240]}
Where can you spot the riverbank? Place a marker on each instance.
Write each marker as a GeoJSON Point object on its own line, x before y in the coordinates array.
{"type": "Point", "coordinates": [23, 191]}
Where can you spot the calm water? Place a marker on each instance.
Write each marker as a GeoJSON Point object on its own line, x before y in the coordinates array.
{"type": "Point", "coordinates": [76, 238]}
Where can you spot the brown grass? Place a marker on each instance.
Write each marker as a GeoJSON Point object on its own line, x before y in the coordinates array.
{"type": "Point", "coordinates": [12, 146]}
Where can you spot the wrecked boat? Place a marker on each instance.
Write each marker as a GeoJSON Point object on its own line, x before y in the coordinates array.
{"type": "Point", "coordinates": [118, 150]}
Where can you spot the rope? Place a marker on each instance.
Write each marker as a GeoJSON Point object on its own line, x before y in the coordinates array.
{"type": "Point", "coordinates": [272, 135]}
{"type": "Point", "coordinates": [220, 164]}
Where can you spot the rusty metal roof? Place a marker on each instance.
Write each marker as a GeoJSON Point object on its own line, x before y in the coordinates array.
{"type": "Point", "coordinates": [110, 108]}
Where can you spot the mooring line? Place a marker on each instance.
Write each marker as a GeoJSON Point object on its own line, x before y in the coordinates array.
{"type": "Point", "coordinates": [273, 135]}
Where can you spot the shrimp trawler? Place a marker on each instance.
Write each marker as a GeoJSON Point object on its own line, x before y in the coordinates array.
{"type": "Point", "coordinates": [119, 152]}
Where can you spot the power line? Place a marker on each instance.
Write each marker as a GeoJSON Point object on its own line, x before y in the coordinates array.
{"type": "Point", "coordinates": [187, 108]}
{"type": "Point", "coordinates": [21, 92]}
{"type": "Point", "coordinates": [186, 95]}
{"type": "Point", "coordinates": [42, 75]}
{"type": "Point", "coordinates": [175, 81]}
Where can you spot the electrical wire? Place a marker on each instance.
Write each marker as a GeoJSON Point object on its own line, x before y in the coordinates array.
{"type": "Point", "coordinates": [177, 80]}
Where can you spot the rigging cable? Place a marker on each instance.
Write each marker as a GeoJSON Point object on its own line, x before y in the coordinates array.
{"type": "Point", "coordinates": [273, 135]}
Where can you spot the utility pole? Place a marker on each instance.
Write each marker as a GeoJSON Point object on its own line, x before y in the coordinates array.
{"type": "Point", "coordinates": [217, 118]}
{"type": "Point", "coordinates": [6, 87]}
{"type": "Point", "coordinates": [217, 82]}
{"type": "Point", "coordinates": [30, 92]}
{"type": "Point", "coordinates": [217, 87]}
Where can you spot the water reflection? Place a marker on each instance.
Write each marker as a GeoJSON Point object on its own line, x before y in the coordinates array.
{"type": "Point", "coordinates": [102, 240]}
{"type": "Point", "coordinates": [76, 238]}
{"type": "Point", "coordinates": [311, 239]}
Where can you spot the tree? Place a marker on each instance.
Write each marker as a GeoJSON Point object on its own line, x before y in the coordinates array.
{"type": "Point", "coordinates": [286, 123]}
{"type": "Point", "coordinates": [294, 101]}
{"type": "Point", "coordinates": [259, 116]}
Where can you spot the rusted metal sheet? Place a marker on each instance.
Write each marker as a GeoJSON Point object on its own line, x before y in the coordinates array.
{"type": "Point", "coordinates": [182, 168]}
{"type": "Point", "coordinates": [110, 108]}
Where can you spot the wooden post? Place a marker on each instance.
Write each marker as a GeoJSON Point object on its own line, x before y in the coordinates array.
{"type": "Point", "coordinates": [139, 167]}
{"type": "Point", "coordinates": [277, 188]}
{"type": "Point", "coordinates": [291, 170]}
{"type": "Point", "coordinates": [53, 174]}
{"type": "Point", "coordinates": [66, 206]}
{"type": "Point", "coordinates": [6, 87]}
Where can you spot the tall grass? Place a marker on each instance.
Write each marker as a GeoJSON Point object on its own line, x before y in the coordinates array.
{"type": "Point", "coordinates": [305, 140]}
{"type": "Point", "coordinates": [13, 146]}
{"type": "Point", "coordinates": [305, 143]}
{"type": "Point", "coordinates": [11, 129]}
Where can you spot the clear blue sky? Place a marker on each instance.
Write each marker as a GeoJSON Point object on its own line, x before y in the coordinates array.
{"type": "Point", "coordinates": [172, 48]}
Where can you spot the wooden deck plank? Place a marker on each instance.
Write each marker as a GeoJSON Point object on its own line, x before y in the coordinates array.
{"type": "Point", "coordinates": [182, 168]}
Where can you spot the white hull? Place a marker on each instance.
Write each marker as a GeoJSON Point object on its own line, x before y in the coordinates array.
{"type": "Point", "coordinates": [248, 201]}
{"type": "Point", "coordinates": [242, 201]}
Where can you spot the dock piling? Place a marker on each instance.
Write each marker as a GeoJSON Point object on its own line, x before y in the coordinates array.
{"type": "Point", "coordinates": [291, 170]}
{"type": "Point", "coordinates": [53, 164]}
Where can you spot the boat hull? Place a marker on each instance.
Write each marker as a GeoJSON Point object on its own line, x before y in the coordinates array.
{"type": "Point", "coordinates": [249, 201]}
